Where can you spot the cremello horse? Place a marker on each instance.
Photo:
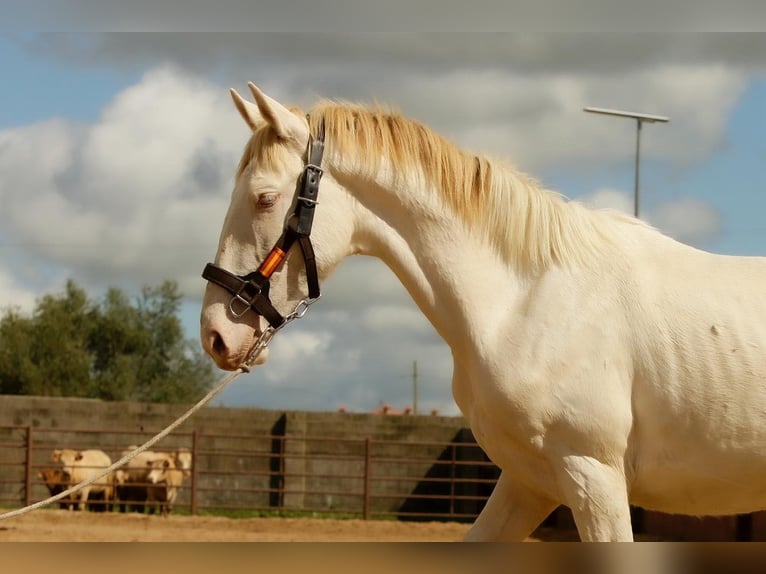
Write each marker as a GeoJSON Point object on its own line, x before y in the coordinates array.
{"type": "Point", "coordinates": [598, 362]}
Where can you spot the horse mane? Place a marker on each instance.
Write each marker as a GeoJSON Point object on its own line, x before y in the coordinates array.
{"type": "Point", "coordinates": [528, 225]}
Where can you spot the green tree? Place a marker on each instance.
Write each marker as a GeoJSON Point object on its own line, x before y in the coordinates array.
{"type": "Point", "coordinates": [108, 349]}
{"type": "Point", "coordinates": [15, 352]}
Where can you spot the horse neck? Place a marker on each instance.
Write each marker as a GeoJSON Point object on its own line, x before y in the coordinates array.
{"type": "Point", "coordinates": [452, 274]}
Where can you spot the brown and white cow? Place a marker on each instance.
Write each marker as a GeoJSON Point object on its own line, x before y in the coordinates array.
{"type": "Point", "coordinates": [56, 480]}
{"type": "Point", "coordinates": [131, 482]}
{"type": "Point", "coordinates": [83, 465]}
{"type": "Point", "coordinates": [132, 485]}
{"type": "Point", "coordinates": [183, 461]}
{"type": "Point", "coordinates": [165, 479]}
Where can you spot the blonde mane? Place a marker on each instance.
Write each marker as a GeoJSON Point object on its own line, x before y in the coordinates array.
{"type": "Point", "coordinates": [528, 225]}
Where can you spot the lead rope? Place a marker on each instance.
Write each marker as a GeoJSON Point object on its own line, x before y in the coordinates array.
{"type": "Point", "coordinates": [262, 343]}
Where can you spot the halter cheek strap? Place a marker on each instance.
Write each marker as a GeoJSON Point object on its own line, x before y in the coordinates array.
{"type": "Point", "coordinates": [251, 291]}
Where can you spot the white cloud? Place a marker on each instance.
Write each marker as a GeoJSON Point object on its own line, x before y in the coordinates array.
{"type": "Point", "coordinates": [609, 198]}
{"type": "Point", "coordinates": [15, 296]}
{"type": "Point", "coordinates": [299, 356]}
{"type": "Point", "coordinates": [360, 282]}
{"type": "Point", "coordinates": [687, 219]}
{"type": "Point", "coordinates": [117, 201]}
{"type": "Point", "coordinates": [139, 194]}
{"type": "Point", "coordinates": [299, 345]}
{"type": "Point", "coordinates": [515, 95]}
{"type": "Point", "coordinates": [537, 121]}
{"type": "Point", "coordinates": [395, 319]}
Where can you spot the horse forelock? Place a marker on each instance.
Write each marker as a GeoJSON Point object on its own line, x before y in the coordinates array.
{"type": "Point", "coordinates": [264, 148]}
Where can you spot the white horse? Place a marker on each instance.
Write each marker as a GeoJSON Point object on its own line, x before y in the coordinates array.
{"type": "Point", "coordinates": [598, 362]}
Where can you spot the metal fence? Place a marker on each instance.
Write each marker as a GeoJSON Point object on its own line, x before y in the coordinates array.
{"type": "Point", "coordinates": [232, 473]}
{"type": "Point", "coordinates": [361, 477]}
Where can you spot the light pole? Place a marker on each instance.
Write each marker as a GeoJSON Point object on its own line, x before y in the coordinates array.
{"type": "Point", "coordinates": [640, 119]}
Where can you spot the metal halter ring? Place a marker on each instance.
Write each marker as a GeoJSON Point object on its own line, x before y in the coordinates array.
{"type": "Point", "coordinates": [246, 308]}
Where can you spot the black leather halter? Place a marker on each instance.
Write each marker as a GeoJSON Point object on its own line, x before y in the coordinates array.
{"type": "Point", "coordinates": [251, 291]}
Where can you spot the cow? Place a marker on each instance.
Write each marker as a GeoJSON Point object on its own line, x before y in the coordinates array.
{"type": "Point", "coordinates": [56, 480]}
{"type": "Point", "coordinates": [82, 465]}
{"type": "Point", "coordinates": [128, 495]}
{"type": "Point", "coordinates": [165, 478]}
{"type": "Point", "coordinates": [131, 482]}
{"type": "Point", "coordinates": [132, 485]}
{"type": "Point", "coordinates": [183, 460]}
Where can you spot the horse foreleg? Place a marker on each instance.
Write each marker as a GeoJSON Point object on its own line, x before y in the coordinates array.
{"type": "Point", "coordinates": [512, 513]}
{"type": "Point", "coordinates": [597, 495]}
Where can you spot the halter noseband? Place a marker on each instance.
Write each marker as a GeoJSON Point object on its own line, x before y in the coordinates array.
{"type": "Point", "coordinates": [251, 291]}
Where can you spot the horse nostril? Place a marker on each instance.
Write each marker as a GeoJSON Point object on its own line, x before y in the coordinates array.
{"type": "Point", "coordinates": [219, 347]}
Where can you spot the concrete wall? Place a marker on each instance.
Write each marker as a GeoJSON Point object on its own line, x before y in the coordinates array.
{"type": "Point", "coordinates": [84, 414]}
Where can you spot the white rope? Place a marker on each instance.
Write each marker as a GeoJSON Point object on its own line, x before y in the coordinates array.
{"type": "Point", "coordinates": [162, 434]}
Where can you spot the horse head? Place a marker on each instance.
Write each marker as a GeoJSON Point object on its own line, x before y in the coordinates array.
{"type": "Point", "coordinates": [262, 204]}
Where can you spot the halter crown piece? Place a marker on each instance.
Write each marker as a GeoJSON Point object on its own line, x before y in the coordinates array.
{"type": "Point", "coordinates": [251, 291]}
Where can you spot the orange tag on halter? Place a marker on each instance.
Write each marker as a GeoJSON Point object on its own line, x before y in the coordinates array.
{"type": "Point", "coordinates": [272, 262]}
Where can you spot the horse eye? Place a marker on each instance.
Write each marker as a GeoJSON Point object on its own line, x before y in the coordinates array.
{"type": "Point", "coordinates": [267, 199]}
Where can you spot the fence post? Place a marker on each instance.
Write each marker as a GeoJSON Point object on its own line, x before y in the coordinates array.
{"type": "Point", "coordinates": [452, 480]}
{"type": "Point", "coordinates": [280, 498]}
{"type": "Point", "coordinates": [367, 470]}
{"type": "Point", "coordinates": [277, 465]}
{"type": "Point", "coordinates": [28, 469]}
{"type": "Point", "coordinates": [195, 459]}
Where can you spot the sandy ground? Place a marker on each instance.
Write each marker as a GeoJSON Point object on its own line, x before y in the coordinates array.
{"type": "Point", "coordinates": [271, 546]}
{"type": "Point", "coordinates": [64, 526]}
{"type": "Point", "coordinates": [53, 525]}
{"type": "Point", "coordinates": [179, 549]}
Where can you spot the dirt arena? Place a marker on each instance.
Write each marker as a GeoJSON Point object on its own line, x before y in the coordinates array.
{"type": "Point", "coordinates": [183, 553]}
{"type": "Point", "coordinates": [64, 526]}
{"type": "Point", "coordinates": [50, 525]}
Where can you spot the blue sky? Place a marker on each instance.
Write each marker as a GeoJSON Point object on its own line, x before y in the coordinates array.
{"type": "Point", "coordinates": [731, 180]}
{"type": "Point", "coordinates": [702, 177]}
{"type": "Point", "coordinates": [40, 87]}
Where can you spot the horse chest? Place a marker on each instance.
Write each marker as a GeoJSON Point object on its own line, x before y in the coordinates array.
{"type": "Point", "coordinates": [519, 454]}
{"type": "Point", "coordinates": [504, 424]}
{"type": "Point", "coordinates": [537, 394]}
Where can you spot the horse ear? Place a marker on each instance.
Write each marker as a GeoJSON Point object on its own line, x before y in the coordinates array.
{"type": "Point", "coordinates": [247, 110]}
{"type": "Point", "coordinates": [283, 121]}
